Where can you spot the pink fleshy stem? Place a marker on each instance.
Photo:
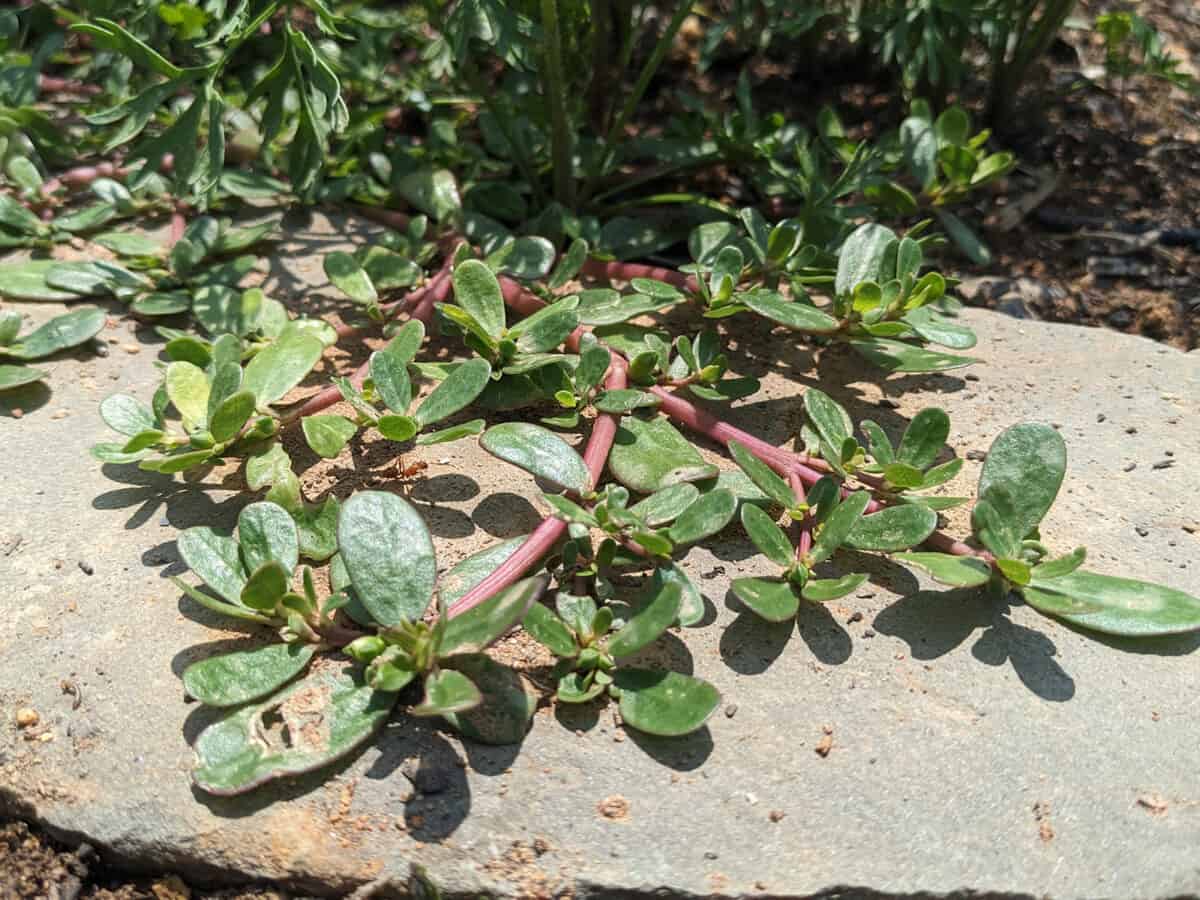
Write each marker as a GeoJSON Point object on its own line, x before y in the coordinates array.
{"type": "Point", "coordinates": [624, 271]}
{"type": "Point", "coordinates": [547, 534]}
{"type": "Point", "coordinates": [178, 227]}
{"type": "Point", "coordinates": [81, 176]}
{"type": "Point", "coordinates": [327, 397]}
{"type": "Point", "coordinates": [49, 84]}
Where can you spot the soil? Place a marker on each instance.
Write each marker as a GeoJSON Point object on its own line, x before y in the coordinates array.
{"type": "Point", "coordinates": [33, 865]}
{"type": "Point", "coordinates": [1114, 161]}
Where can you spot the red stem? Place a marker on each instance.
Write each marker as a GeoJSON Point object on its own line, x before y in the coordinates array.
{"type": "Point", "coordinates": [49, 84]}
{"type": "Point", "coordinates": [625, 271]}
{"type": "Point", "coordinates": [539, 542]}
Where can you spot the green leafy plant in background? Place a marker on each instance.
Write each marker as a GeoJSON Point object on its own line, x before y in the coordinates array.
{"type": "Point", "coordinates": [544, 284]}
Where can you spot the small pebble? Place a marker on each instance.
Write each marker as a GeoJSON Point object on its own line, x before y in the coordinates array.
{"type": "Point", "coordinates": [27, 718]}
{"type": "Point", "coordinates": [709, 854]}
{"type": "Point", "coordinates": [1163, 464]}
{"type": "Point", "coordinates": [1169, 452]}
{"type": "Point", "coordinates": [131, 349]}
{"type": "Point", "coordinates": [971, 377]}
{"type": "Point", "coordinates": [869, 633]}
{"type": "Point", "coordinates": [1102, 417]}
{"type": "Point", "coordinates": [1142, 530]}
{"type": "Point", "coordinates": [731, 710]}
{"type": "Point", "coordinates": [1129, 467]}
{"type": "Point", "coordinates": [86, 567]}
{"type": "Point", "coordinates": [977, 455]}
{"type": "Point", "coordinates": [776, 815]}
{"type": "Point", "coordinates": [855, 617]}
{"type": "Point", "coordinates": [101, 349]}
{"type": "Point", "coordinates": [1131, 430]}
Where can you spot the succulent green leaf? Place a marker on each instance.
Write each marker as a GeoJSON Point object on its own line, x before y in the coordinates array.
{"type": "Point", "coordinates": [994, 521]}
{"type": "Point", "coordinates": [666, 505]}
{"type": "Point", "coordinates": [232, 679]}
{"type": "Point", "coordinates": [839, 525]}
{"type": "Point", "coordinates": [772, 599]}
{"type": "Point", "coordinates": [767, 536]}
{"type": "Point", "coordinates": [465, 575]}
{"type": "Point", "coordinates": [1119, 606]}
{"type": "Point", "coordinates": [657, 610]}
{"type": "Point", "coordinates": [539, 451]}
{"type": "Point", "coordinates": [188, 387]}
{"type": "Point", "coordinates": [578, 687]}
{"type": "Point", "coordinates": [18, 376]}
{"type": "Point", "coordinates": [398, 428]}
{"type": "Point", "coordinates": [1014, 570]}
{"type": "Point", "coordinates": [650, 454]}
{"type": "Point", "coordinates": [215, 558]}
{"type": "Point", "coordinates": [623, 400]}
{"type": "Point", "coordinates": [475, 629]}
{"type": "Point", "coordinates": [821, 590]}
{"type": "Point", "coordinates": [764, 477]}
{"type": "Point", "coordinates": [457, 390]}
{"type": "Point", "coordinates": [453, 433]}
{"type": "Point", "coordinates": [327, 435]}
{"type": "Point", "coordinates": [126, 415]}
{"type": "Point", "coordinates": [229, 417]}
{"type": "Point", "coordinates": [388, 554]}
{"type": "Point", "coordinates": [326, 716]}
{"type": "Point", "coordinates": [28, 281]}
{"type": "Point", "coordinates": [477, 291]}
{"type": "Point", "coordinates": [1063, 565]}
{"type": "Point", "coordinates": [265, 587]}
{"type": "Point", "coordinates": [448, 691]}
{"type": "Point", "coordinates": [791, 313]}
{"type": "Point", "coordinates": [344, 271]}
{"type": "Point", "coordinates": [862, 258]}
{"type": "Point", "coordinates": [282, 365]}
{"type": "Point", "coordinates": [1028, 461]}
{"type": "Point", "coordinates": [704, 518]}
{"type": "Point", "coordinates": [266, 532]}
{"type": "Point", "coordinates": [956, 571]}
{"type": "Point", "coordinates": [893, 528]}
{"type": "Point", "coordinates": [550, 631]}
{"type": "Point", "coordinates": [60, 333]}
{"type": "Point", "coordinates": [897, 356]}
{"type": "Point", "coordinates": [665, 703]}
{"type": "Point", "coordinates": [389, 372]}
{"type": "Point", "coordinates": [604, 306]}
{"type": "Point", "coordinates": [828, 417]}
{"type": "Point", "coordinates": [937, 329]}
{"type": "Point", "coordinates": [547, 328]}
{"type": "Point", "coordinates": [924, 438]}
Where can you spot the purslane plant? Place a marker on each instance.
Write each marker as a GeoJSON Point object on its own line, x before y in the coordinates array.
{"type": "Point", "coordinates": [842, 488]}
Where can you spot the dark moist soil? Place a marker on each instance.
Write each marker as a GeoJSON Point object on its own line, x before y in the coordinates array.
{"type": "Point", "coordinates": [1120, 161]}
{"type": "Point", "coordinates": [33, 865]}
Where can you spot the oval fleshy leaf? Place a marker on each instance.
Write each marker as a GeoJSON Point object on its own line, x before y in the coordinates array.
{"type": "Point", "coordinates": [1028, 461]}
{"type": "Point", "coordinates": [188, 388]}
{"type": "Point", "coordinates": [324, 717]}
{"type": "Point", "coordinates": [1122, 606]}
{"type": "Point", "coordinates": [60, 333]}
{"type": "Point", "coordinates": [477, 291]}
{"type": "Point", "coordinates": [267, 532]}
{"type": "Point", "coordinates": [328, 434]}
{"type": "Point", "coordinates": [539, 451]}
{"type": "Point", "coordinates": [462, 577]}
{"type": "Point", "coordinates": [665, 703]}
{"type": "Point", "coordinates": [862, 257]}
{"type": "Point", "coordinates": [820, 590]}
{"type": "Point", "coordinates": [265, 587]}
{"type": "Point", "coordinates": [456, 391]}
{"type": "Point", "coordinates": [472, 631]}
{"type": "Point", "coordinates": [508, 701]}
{"type": "Point", "coordinates": [665, 505]}
{"type": "Point", "coordinates": [772, 599]}
{"type": "Point", "coordinates": [389, 371]}
{"type": "Point", "coordinates": [945, 568]}
{"type": "Point", "coordinates": [649, 455]}
{"type": "Point", "coordinates": [388, 554]}
{"type": "Point", "coordinates": [790, 313]}
{"type": "Point", "coordinates": [657, 611]}
{"type": "Point", "coordinates": [704, 518]}
{"type": "Point", "coordinates": [215, 559]}
{"type": "Point", "coordinates": [897, 356]}
{"type": "Point", "coordinates": [924, 438]}
{"type": "Point", "coordinates": [828, 417]}
{"type": "Point", "coordinates": [282, 365]}
{"type": "Point", "coordinates": [767, 536]}
{"type": "Point", "coordinates": [232, 679]}
{"type": "Point", "coordinates": [344, 271]}
{"type": "Point", "coordinates": [447, 692]}
{"type": "Point", "coordinates": [549, 630]}
{"type": "Point", "coordinates": [229, 417]}
{"type": "Point", "coordinates": [764, 477]}
{"type": "Point", "coordinates": [19, 376]}
{"type": "Point", "coordinates": [838, 526]}
{"type": "Point", "coordinates": [893, 528]}
{"type": "Point", "coordinates": [126, 415]}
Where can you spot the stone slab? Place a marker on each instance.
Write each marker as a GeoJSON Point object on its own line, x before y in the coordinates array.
{"type": "Point", "coordinates": [976, 749]}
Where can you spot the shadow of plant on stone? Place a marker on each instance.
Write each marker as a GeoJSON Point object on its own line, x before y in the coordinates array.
{"type": "Point", "coordinates": [440, 796]}
{"type": "Point", "coordinates": [824, 635]}
{"type": "Point", "coordinates": [749, 644]}
{"type": "Point", "coordinates": [184, 503]}
{"type": "Point", "coordinates": [1170, 645]}
{"type": "Point", "coordinates": [683, 754]}
{"type": "Point", "coordinates": [506, 515]}
{"type": "Point", "coordinates": [933, 623]}
{"type": "Point", "coordinates": [451, 487]}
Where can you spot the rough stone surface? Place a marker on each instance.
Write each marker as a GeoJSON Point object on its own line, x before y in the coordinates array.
{"type": "Point", "coordinates": [902, 740]}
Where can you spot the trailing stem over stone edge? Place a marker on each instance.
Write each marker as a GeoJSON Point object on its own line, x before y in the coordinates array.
{"type": "Point", "coordinates": [639, 495]}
